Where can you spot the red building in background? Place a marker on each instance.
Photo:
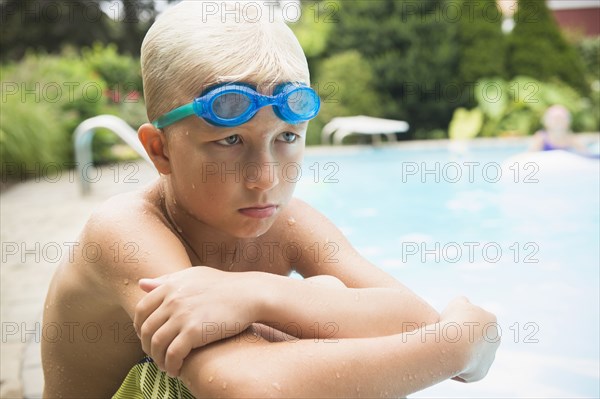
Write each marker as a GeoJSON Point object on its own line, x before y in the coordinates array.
{"type": "Point", "coordinates": [582, 16]}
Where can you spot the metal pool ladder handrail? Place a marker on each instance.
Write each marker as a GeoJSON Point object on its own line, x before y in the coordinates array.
{"type": "Point", "coordinates": [82, 140]}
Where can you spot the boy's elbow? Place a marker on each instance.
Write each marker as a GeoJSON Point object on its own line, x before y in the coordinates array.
{"type": "Point", "coordinates": [220, 378]}
{"type": "Point", "coordinates": [430, 315]}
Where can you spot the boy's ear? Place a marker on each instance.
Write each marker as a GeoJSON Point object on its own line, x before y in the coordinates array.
{"type": "Point", "coordinates": [155, 142]}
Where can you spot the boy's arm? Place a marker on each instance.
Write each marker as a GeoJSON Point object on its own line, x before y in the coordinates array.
{"type": "Point", "coordinates": [395, 365]}
{"type": "Point", "coordinates": [338, 258]}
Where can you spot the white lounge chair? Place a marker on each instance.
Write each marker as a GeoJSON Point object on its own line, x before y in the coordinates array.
{"type": "Point", "coordinates": [340, 127]}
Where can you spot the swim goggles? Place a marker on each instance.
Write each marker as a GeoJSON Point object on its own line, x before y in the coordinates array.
{"type": "Point", "coordinates": [233, 104]}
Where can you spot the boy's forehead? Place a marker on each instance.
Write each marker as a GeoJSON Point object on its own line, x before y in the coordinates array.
{"type": "Point", "coordinates": [263, 86]}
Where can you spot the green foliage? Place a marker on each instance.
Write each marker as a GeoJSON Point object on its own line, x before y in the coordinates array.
{"type": "Point", "coordinates": [537, 48]}
{"type": "Point", "coordinates": [67, 85]}
{"type": "Point", "coordinates": [412, 52]}
{"type": "Point", "coordinates": [345, 86]}
{"type": "Point", "coordinates": [481, 42]}
{"type": "Point", "coordinates": [49, 26]}
{"type": "Point", "coordinates": [121, 73]}
{"type": "Point", "coordinates": [589, 50]}
{"type": "Point", "coordinates": [516, 107]}
{"type": "Point", "coordinates": [314, 26]}
{"type": "Point", "coordinates": [63, 91]}
{"type": "Point", "coordinates": [465, 124]}
{"type": "Point", "coordinates": [31, 139]}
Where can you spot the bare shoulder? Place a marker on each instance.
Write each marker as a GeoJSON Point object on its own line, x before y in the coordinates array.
{"type": "Point", "coordinates": [322, 249]}
{"type": "Point", "coordinates": [125, 239]}
{"type": "Point", "coordinates": [298, 221]}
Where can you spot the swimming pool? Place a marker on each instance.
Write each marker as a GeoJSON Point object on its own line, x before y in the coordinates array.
{"type": "Point", "coordinates": [518, 236]}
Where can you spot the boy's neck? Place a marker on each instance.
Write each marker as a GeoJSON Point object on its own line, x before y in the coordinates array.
{"type": "Point", "coordinates": [210, 246]}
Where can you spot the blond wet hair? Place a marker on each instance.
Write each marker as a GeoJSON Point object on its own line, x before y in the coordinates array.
{"type": "Point", "coordinates": [196, 44]}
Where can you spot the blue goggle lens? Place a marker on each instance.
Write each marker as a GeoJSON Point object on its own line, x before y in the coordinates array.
{"type": "Point", "coordinates": [303, 103]}
{"type": "Point", "coordinates": [231, 105]}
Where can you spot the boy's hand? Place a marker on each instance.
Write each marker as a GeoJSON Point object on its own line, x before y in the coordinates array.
{"type": "Point", "coordinates": [192, 308]}
{"type": "Point", "coordinates": [479, 337]}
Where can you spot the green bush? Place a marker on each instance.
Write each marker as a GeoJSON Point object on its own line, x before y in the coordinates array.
{"type": "Point", "coordinates": [120, 72]}
{"type": "Point", "coordinates": [516, 107]}
{"type": "Point", "coordinates": [63, 83]}
{"type": "Point", "coordinates": [70, 88]}
{"type": "Point", "coordinates": [537, 48]}
{"type": "Point", "coordinates": [589, 50]}
{"type": "Point", "coordinates": [31, 139]}
{"type": "Point", "coordinates": [346, 87]}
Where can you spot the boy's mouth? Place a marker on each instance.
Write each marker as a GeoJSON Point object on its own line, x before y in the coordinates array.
{"type": "Point", "coordinates": [259, 211]}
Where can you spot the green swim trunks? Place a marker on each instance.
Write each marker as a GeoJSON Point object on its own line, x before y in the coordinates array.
{"type": "Point", "coordinates": [146, 381]}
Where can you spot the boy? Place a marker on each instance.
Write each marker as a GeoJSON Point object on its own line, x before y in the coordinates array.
{"type": "Point", "coordinates": [236, 325]}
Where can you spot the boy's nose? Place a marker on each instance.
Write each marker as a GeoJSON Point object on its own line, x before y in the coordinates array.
{"type": "Point", "coordinates": [262, 174]}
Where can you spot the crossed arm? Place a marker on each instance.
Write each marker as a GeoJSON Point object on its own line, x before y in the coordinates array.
{"type": "Point", "coordinates": [355, 340]}
{"type": "Point", "coordinates": [377, 360]}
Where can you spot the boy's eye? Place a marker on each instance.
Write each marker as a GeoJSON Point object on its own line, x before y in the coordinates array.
{"type": "Point", "coordinates": [230, 140]}
{"type": "Point", "coordinates": [288, 137]}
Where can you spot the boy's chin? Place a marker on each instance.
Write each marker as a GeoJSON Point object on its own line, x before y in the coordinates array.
{"type": "Point", "coordinates": [253, 233]}
{"type": "Point", "coordinates": [254, 230]}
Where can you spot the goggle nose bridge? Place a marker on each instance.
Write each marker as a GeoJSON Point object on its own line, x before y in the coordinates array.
{"type": "Point", "coordinates": [263, 100]}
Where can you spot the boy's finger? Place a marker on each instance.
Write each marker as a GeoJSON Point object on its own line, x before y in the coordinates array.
{"type": "Point", "coordinates": [162, 339]}
{"type": "Point", "coordinates": [149, 327]}
{"type": "Point", "coordinates": [179, 349]}
{"type": "Point", "coordinates": [148, 284]}
{"type": "Point", "coordinates": [146, 306]}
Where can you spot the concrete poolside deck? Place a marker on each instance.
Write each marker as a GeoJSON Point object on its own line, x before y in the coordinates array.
{"type": "Point", "coordinates": [39, 218]}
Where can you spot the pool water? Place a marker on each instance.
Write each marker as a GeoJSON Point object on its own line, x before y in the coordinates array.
{"type": "Point", "coordinates": [517, 235]}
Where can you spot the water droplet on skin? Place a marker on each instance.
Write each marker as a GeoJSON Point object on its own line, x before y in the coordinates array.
{"type": "Point", "coordinates": [187, 133]}
{"type": "Point", "coordinates": [337, 374]}
{"type": "Point", "coordinates": [193, 186]}
{"type": "Point", "coordinates": [410, 377]}
{"type": "Point", "coordinates": [291, 221]}
{"type": "Point", "coordinates": [357, 389]}
{"type": "Point", "coordinates": [126, 281]}
{"type": "Point", "coordinates": [276, 386]}
{"type": "Point", "coordinates": [224, 385]}
{"type": "Point", "coordinates": [210, 379]}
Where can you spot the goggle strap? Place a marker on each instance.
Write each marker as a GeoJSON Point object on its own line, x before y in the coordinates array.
{"type": "Point", "coordinates": [175, 115]}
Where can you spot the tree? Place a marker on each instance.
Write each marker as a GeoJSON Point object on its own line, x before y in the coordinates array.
{"type": "Point", "coordinates": [481, 42]}
{"type": "Point", "coordinates": [410, 47]}
{"type": "Point", "coordinates": [50, 25]}
{"type": "Point", "coordinates": [538, 49]}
